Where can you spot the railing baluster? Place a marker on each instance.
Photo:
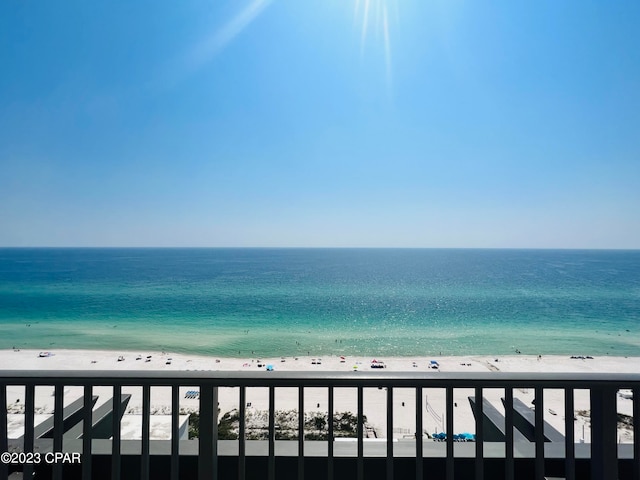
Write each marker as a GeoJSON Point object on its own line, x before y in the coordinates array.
{"type": "Point", "coordinates": [449, 413]}
{"type": "Point", "coordinates": [214, 433]}
{"type": "Point", "coordinates": [479, 462]}
{"type": "Point", "coordinates": [272, 434]}
{"type": "Point", "coordinates": [87, 432]}
{"type": "Point", "coordinates": [58, 427]}
{"type": "Point", "coordinates": [569, 435]}
{"type": "Point", "coordinates": [4, 442]}
{"type": "Point", "coordinates": [389, 433]}
{"type": "Point", "coordinates": [604, 432]}
{"type": "Point", "coordinates": [539, 433]}
{"type": "Point", "coordinates": [508, 428]}
{"type": "Point", "coordinates": [330, 440]}
{"type": "Point", "coordinates": [175, 432]}
{"type": "Point", "coordinates": [360, 429]}
{"type": "Point", "coordinates": [241, 433]}
{"type": "Point", "coordinates": [206, 469]}
{"type": "Point", "coordinates": [29, 408]}
{"type": "Point", "coordinates": [419, 449]}
{"type": "Point", "coordinates": [300, 433]}
{"type": "Point", "coordinates": [115, 432]}
{"type": "Point", "coordinates": [636, 433]}
{"type": "Point", "coordinates": [146, 419]}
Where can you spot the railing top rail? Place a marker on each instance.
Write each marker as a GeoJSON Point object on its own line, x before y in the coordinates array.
{"type": "Point", "coordinates": [318, 378]}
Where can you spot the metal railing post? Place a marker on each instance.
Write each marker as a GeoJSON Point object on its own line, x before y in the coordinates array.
{"type": "Point", "coordinates": [569, 435]}
{"type": "Point", "coordinates": [300, 433]}
{"type": "Point", "coordinates": [29, 407]}
{"type": "Point", "coordinates": [330, 439]}
{"type": "Point", "coordinates": [214, 432]}
{"type": "Point", "coordinates": [115, 432]}
{"type": "Point", "coordinates": [419, 445]}
{"type": "Point", "coordinates": [175, 432]}
{"type": "Point", "coordinates": [207, 462]}
{"type": "Point", "coordinates": [449, 433]}
{"type": "Point", "coordinates": [636, 433]}
{"type": "Point", "coordinates": [4, 441]}
{"type": "Point", "coordinates": [360, 430]}
{"type": "Point", "coordinates": [539, 433]}
{"type": "Point", "coordinates": [87, 432]}
{"type": "Point", "coordinates": [389, 433]}
{"type": "Point", "coordinates": [146, 419]}
{"type": "Point", "coordinates": [604, 430]}
{"type": "Point", "coordinates": [241, 433]}
{"type": "Point", "coordinates": [58, 427]}
{"type": "Point", "coordinates": [479, 462]}
{"type": "Point", "coordinates": [508, 427]}
{"type": "Point", "coordinates": [272, 434]}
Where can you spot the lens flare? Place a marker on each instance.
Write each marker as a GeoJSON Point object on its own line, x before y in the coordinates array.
{"type": "Point", "coordinates": [375, 15]}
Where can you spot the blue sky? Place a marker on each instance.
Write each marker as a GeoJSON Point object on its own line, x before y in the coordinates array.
{"type": "Point", "coordinates": [379, 123]}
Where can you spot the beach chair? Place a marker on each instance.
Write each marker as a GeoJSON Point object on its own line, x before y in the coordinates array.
{"type": "Point", "coordinates": [192, 394]}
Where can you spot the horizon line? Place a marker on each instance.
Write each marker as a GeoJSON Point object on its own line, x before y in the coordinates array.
{"type": "Point", "coordinates": [258, 247]}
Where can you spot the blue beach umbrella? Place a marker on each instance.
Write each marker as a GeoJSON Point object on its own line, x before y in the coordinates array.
{"type": "Point", "coordinates": [269, 368]}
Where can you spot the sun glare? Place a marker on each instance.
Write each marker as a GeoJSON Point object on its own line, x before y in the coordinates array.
{"type": "Point", "coordinates": [218, 39]}
{"type": "Point", "coordinates": [372, 18]}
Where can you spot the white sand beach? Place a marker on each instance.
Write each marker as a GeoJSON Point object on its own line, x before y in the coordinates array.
{"type": "Point", "coordinates": [316, 398]}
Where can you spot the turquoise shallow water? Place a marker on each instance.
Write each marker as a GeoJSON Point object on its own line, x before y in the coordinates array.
{"type": "Point", "coordinates": [231, 302]}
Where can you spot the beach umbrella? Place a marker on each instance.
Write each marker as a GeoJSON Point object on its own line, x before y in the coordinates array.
{"type": "Point", "coordinates": [269, 368]}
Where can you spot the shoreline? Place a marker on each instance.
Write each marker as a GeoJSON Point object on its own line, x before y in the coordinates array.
{"type": "Point", "coordinates": [116, 359]}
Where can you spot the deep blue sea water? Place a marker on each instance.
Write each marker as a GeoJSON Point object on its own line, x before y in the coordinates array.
{"type": "Point", "coordinates": [230, 302]}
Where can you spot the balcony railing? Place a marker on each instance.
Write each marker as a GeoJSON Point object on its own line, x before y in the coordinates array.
{"type": "Point", "coordinates": [604, 457]}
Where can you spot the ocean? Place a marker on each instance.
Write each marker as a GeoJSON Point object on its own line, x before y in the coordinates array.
{"type": "Point", "coordinates": [285, 302]}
